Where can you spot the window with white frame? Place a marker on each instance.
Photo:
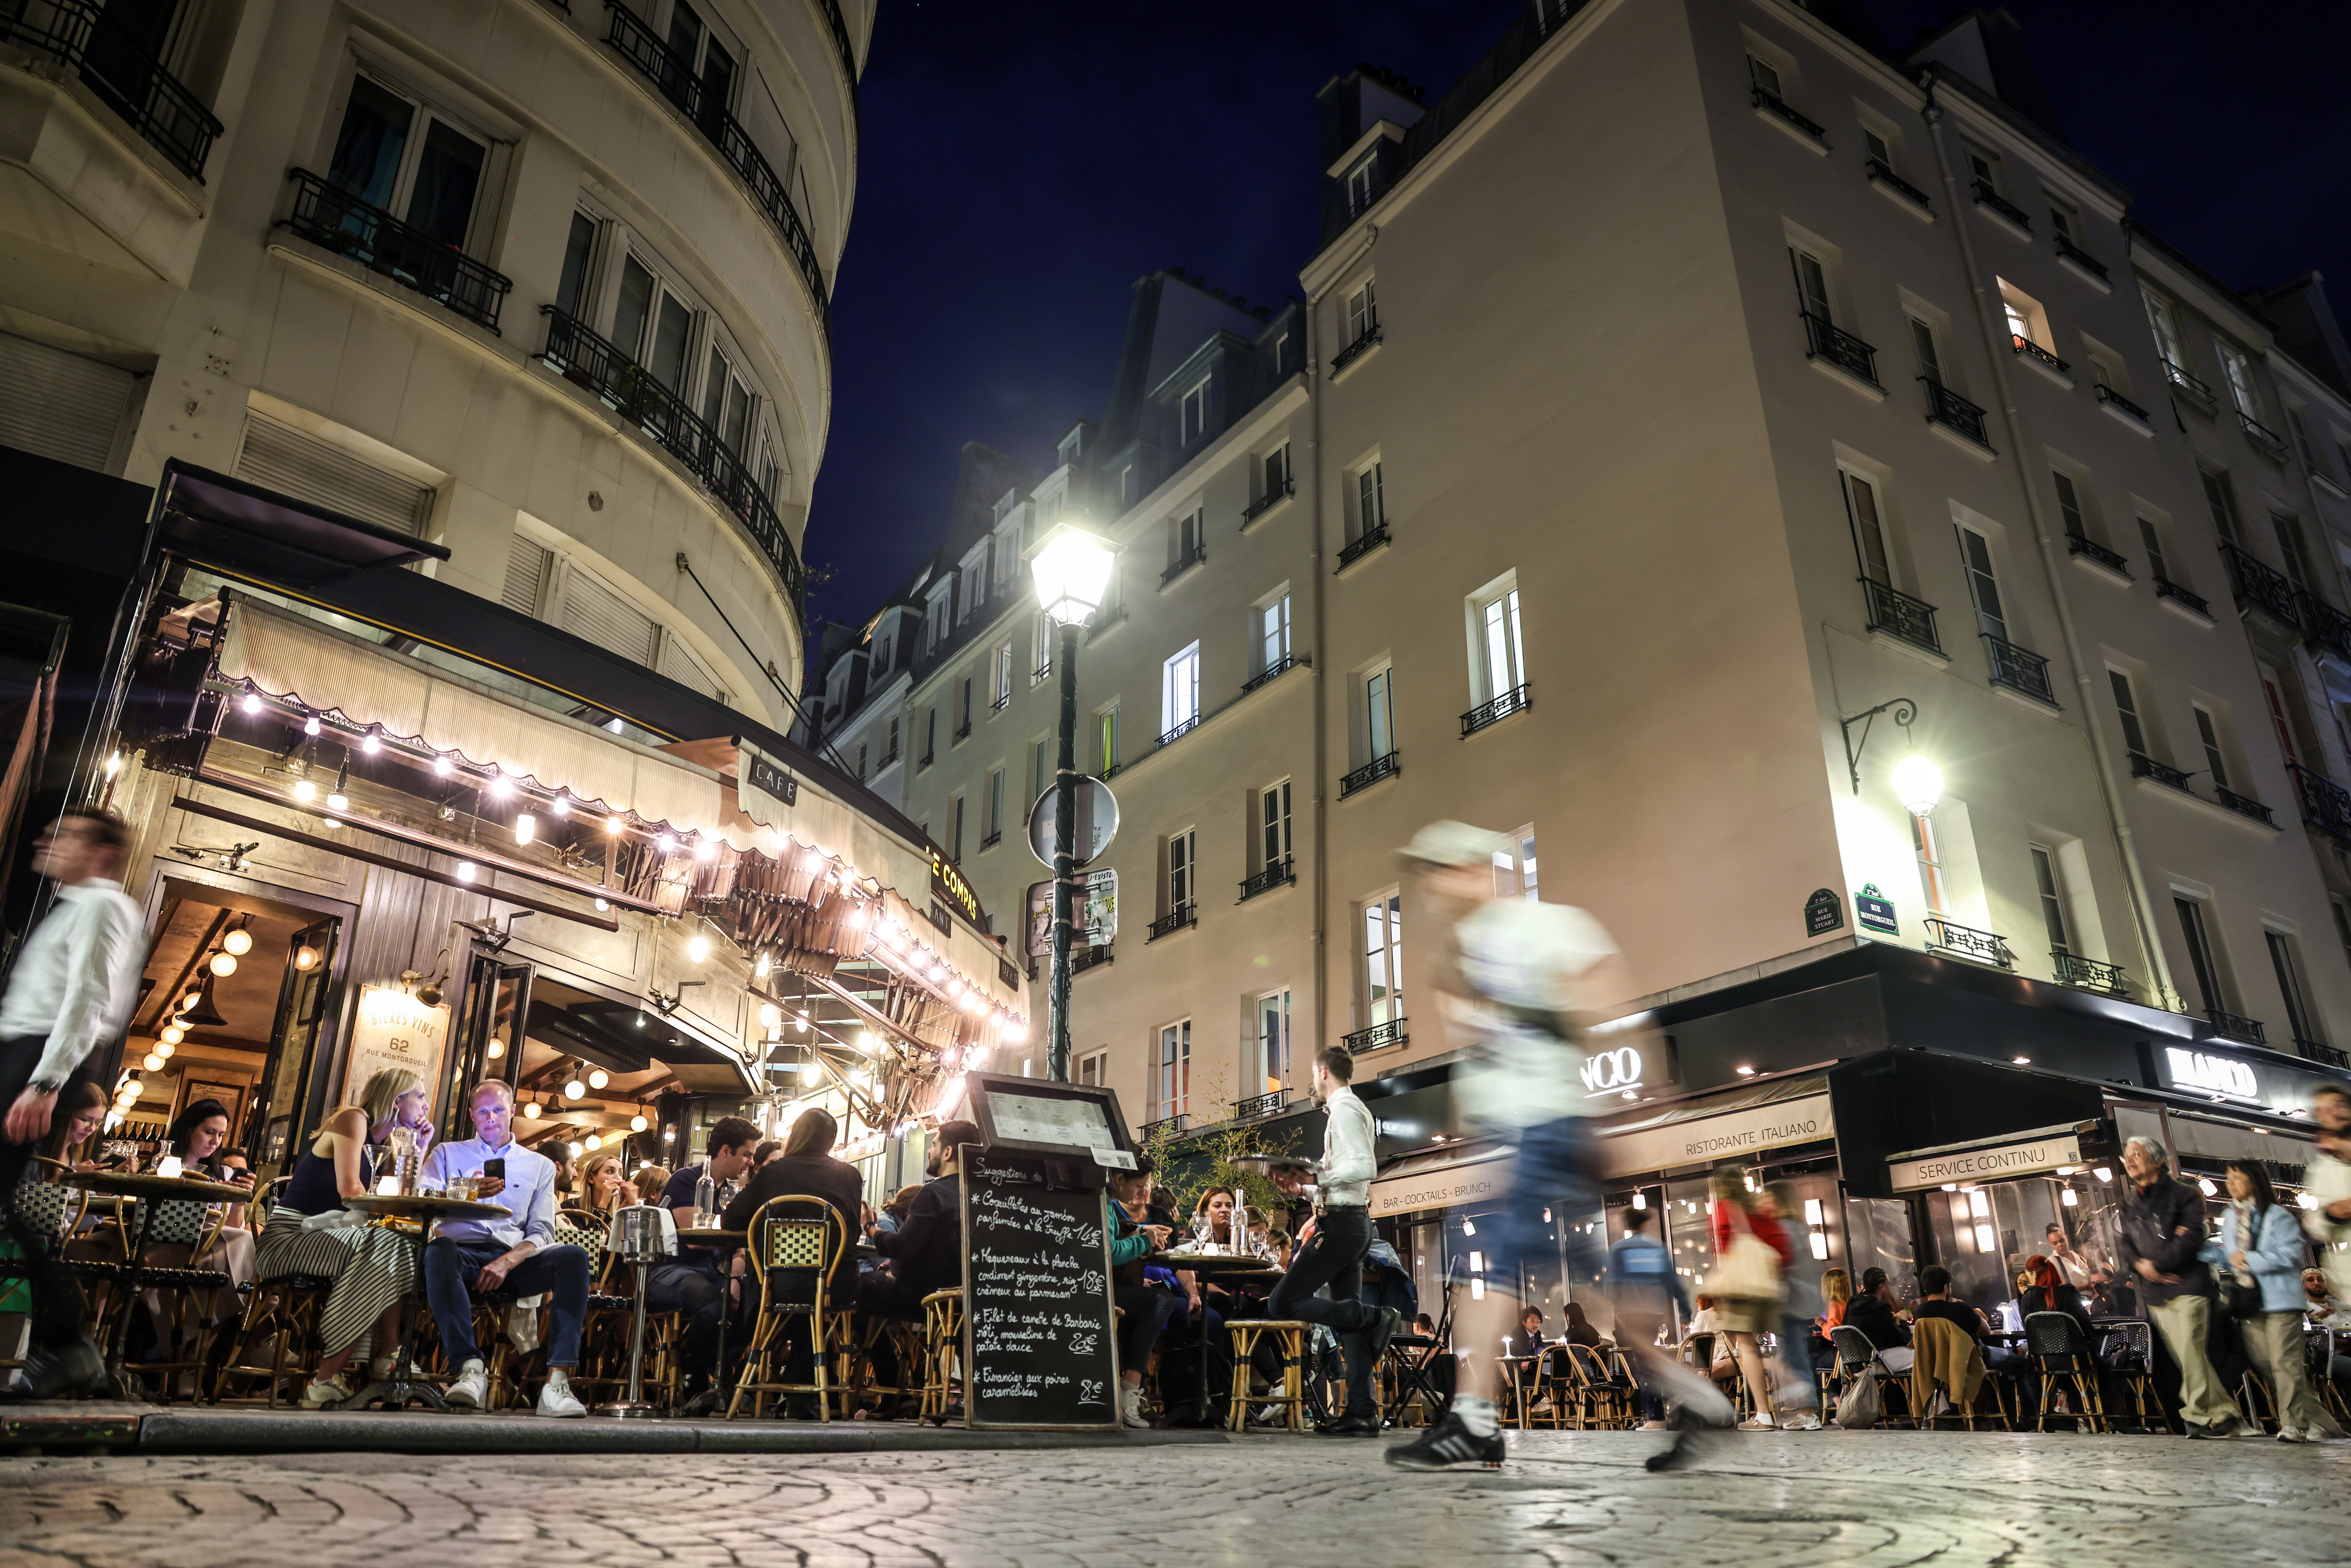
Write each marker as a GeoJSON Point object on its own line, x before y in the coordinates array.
{"type": "Point", "coordinates": [1171, 1085]}
{"type": "Point", "coordinates": [1194, 414]}
{"type": "Point", "coordinates": [2203, 957]}
{"type": "Point", "coordinates": [1179, 693]}
{"type": "Point", "coordinates": [1502, 666]}
{"type": "Point", "coordinates": [934, 619]}
{"type": "Point", "coordinates": [726, 400]}
{"type": "Point", "coordinates": [1045, 636]}
{"type": "Point", "coordinates": [2221, 498]}
{"type": "Point", "coordinates": [1812, 283]}
{"type": "Point", "coordinates": [2052, 892]}
{"type": "Point", "coordinates": [2208, 734]}
{"type": "Point", "coordinates": [955, 829]}
{"type": "Point", "coordinates": [1986, 167]}
{"type": "Point", "coordinates": [2152, 536]}
{"type": "Point", "coordinates": [1514, 868]}
{"type": "Point", "coordinates": [1929, 851]}
{"type": "Point", "coordinates": [1182, 870]}
{"type": "Point", "coordinates": [1983, 584]}
{"type": "Point", "coordinates": [1764, 74]}
{"type": "Point", "coordinates": [2027, 321]}
{"type": "Point", "coordinates": [1276, 472]}
{"type": "Point", "coordinates": [1270, 632]}
{"type": "Point", "coordinates": [1379, 712]}
{"type": "Point", "coordinates": [1380, 958]}
{"type": "Point", "coordinates": [1187, 538]}
{"type": "Point", "coordinates": [651, 322]}
{"type": "Point", "coordinates": [1007, 552]}
{"type": "Point", "coordinates": [2164, 319]}
{"type": "Point", "coordinates": [1362, 312]}
{"type": "Point", "coordinates": [860, 761]}
{"type": "Point", "coordinates": [1000, 685]}
{"type": "Point", "coordinates": [1272, 1062]}
{"type": "Point", "coordinates": [1371, 500]}
{"type": "Point", "coordinates": [1863, 511]}
{"type": "Point", "coordinates": [1930, 353]}
{"type": "Point", "coordinates": [963, 690]}
{"type": "Point", "coordinates": [1041, 768]}
{"type": "Point", "coordinates": [890, 747]}
{"type": "Point", "coordinates": [1877, 149]}
{"type": "Point", "coordinates": [2238, 372]}
{"type": "Point", "coordinates": [397, 152]}
{"type": "Point", "coordinates": [1106, 739]}
{"type": "Point", "coordinates": [2299, 1018]}
{"type": "Point", "coordinates": [2069, 504]}
{"type": "Point", "coordinates": [1093, 1067]}
{"type": "Point", "coordinates": [2288, 528]}
{"type": "Point", "coordinates": [1363, 183]}
{"type": "Point", "coordinates": [572, 284]}
{"type": "Point", "coordinates": [1273, 825]}
{"type": "Point", "coordinates": [2126, 708]}
{"type": "Point", "coordinates": [973, 578]}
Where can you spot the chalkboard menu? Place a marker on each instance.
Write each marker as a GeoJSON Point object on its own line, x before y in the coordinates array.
{"type": "Point", "coordinates": [1038, 1350]}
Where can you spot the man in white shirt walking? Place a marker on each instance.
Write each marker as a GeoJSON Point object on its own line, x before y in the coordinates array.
{"type": "Point", "coordinates": [1334, 1255]}
{"type": "Point", "coordinates": [70, 994]}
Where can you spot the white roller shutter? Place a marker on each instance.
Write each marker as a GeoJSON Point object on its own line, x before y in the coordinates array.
{"type": "Point", "coordinates": [61, 405]}
{"type": "Point", "coordinates": [593, 610]}
{"type": "Point", "coordinates": [679, 663]}
{"type": "Point", "coordinates": [281, 457]}
{"type": "Point", "coordinates": [526, 575]}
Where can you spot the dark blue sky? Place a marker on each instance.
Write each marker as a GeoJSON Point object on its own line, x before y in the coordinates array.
{"type": "Point", "coordinates": [1022, 165]}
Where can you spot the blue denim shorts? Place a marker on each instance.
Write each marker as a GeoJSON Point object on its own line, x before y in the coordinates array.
{"type": "Point", "coordinates": [1554, 1173]}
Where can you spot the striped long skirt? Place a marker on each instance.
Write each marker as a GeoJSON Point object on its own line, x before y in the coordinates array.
{"type": "Point", "coordinates": [372, 1269]}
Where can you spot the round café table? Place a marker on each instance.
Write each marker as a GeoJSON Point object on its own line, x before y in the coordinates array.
{"type": "Point", "coordinates": [151, 1191]}
{"type": "Point", "coordinates": [394, 1392]}
{"type": "Point", "coordinates": [1215, 1266]}
{"type": "Point", "coordinates": [713, 1400]}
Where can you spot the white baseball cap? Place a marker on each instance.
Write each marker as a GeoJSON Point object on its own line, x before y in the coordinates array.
{"type": "Point", "coordinates": [1454, 844]}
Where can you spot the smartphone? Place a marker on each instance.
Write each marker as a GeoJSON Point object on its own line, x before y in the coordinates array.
{"type": "Point", "coordinates": [494, 1168]}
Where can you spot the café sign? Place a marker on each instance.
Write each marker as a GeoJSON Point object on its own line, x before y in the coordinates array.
{"type": "Point", "coordinates": [2210, 1071]}
{"type": "Point", "coordinates": [2026, 1157]}
{"type": "Point", "coordinates": [1471, 1181]}
{"type": "Point", "coordinates": [1704, 1140]}
{"type": "Point", "coordinates": [393, 1030]}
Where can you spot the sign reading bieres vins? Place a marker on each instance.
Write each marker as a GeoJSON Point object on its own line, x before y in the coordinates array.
{"type": "Point", "coordinates": [1038, 1325]}
{"type": "Point", "coordinates": [393, 1030]}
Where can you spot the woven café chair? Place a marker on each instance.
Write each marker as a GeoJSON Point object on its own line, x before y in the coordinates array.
{"type": "Point", "coordinates": [2129, 1351]}
{"type": "Point", "coordinates": [1290, 1335]}
{"type": "Point", "coordinates": [793, 1254]}
{"type": "Point", "coordinates": [942, 1353]}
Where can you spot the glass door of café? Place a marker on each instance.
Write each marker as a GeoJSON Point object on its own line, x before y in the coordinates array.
{"type": "Point", "coordinates": [491, 1019]}
{"type": "Point", "coordinates": [291, 1074]}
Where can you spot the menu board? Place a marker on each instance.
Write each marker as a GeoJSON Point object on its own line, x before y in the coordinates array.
{"type": "Point", "coordinates": [1034, 1119]}
{"type": "Point", "coordinates": [1039, 1345]}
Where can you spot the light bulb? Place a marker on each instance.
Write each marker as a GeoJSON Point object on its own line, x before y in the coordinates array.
{"type": "Point", "coordinates": [310, 725]}
{"type": "Point", "coordinates": [239, 942]}
{"type": "Point", "coordinates": [369, 744]}
{"type": "Point", "coordinates": [338, 801]}
{"type": "Point", "coordinates": [251, 703]}
{"type": "Point", "coordinates": [574, 1090]}
{"type": "Point", "coordinates": [223, 965]}
{"type": "Point", "coordinates": [131, 1088]}
{"type": "Point", "coordinates": [571, 1151]}
{"type": "Point", "coordinates": [613, 824]}
{"type": "Point", "coordinates": [173, 1034]}
{"type": "Point", "coordinates": [666, 843]}
{"type": "Point", "coordinates": [597, 1078]}
{"type": "Point", "coordinates": [306, 957]}
{"type": "Point", "coordinates": [669, 1134]}
{"type": "Point", "coordinates": [496, 1048]}
{"type": "Point", "coordinates": [771, 1015]}
{"type": "Point", "coordinates": [1918, 784]}
{"type": "Point", "coordinates": [466, 871]}
{"type": "Point", "coordinates": [594, 1141]}
{"type": "Point", "coordinates": [765, 965]}
{"type": "Point", "coordinates": [531, 1110]}
{"type": "Point", "coordinates": [152, 1063]}
{"type": "Point", "coordinates": [698, 949]}
{"type": "Point", "coordinates": [305, 790]}
{"type": "Point", "coordinates": [190, 1000]}
{"type": "Point", "coordinates": [637, 1124]}
{"type": "Point", "coordinates": [561, 805]}
{"type": "Point", "coordinates": [601, 906]}
{"type": "Point", "coordinates": [444, 767]}
{"type": "Point", "coordinates": [500, 786]}
{"type": "Point", "coordinates": [526, 827]}
{"type": "Point", "coordinates": [704, 848]}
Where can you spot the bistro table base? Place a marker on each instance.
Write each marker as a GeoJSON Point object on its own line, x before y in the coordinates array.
{"type": "Point", "coordinates": [395, 1392]}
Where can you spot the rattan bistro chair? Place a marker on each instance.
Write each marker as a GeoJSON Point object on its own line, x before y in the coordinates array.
{"type": "Point", "coordinates": [795, 1240]}
{"type": "Point", "coordinates": [942, 1355]}
{"type": "Point", "coordinates": [2060, 1353]}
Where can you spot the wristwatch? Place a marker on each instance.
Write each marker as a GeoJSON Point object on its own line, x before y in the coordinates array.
{"type": "Point", "coordinates": [46, 1085]}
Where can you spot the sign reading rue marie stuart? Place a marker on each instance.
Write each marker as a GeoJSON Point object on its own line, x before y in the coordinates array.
{"type": "Point", "coordinates": [1824, 913]}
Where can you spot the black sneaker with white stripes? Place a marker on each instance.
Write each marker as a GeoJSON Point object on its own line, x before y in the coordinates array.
{"type": "Point", "coordinates": [1449, 1443]}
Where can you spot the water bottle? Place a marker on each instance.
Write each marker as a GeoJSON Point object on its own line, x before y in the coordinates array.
{"type": "Point", "coordinates": [705, 1202]}
{"type": "Point", "coordinates": [1239, 1236]}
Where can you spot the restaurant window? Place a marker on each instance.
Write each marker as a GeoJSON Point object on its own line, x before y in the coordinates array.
{"type": "Point", "coordinates": [1383, 958]}
{"type": "Point", "coordinates": [2299, 1016]}
{"type": "Point", "coordinates": [399, 154]}
{"type": "Point", "coordinates": [2202, 958]}
{"type": "Point", "coordinates": [1171, 1089]}
{"type": "Point", "coordinates": [1272, 1042]}
{"type": "Point", "coordinates": [1093, 1067]}
{"type": "Point", "coordinates": [2052, 898]}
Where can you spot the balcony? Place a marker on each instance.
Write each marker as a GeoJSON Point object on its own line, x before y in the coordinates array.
{"type": "Point", "coordinates": [1834, 346]}
{"type": "Point", "coordinates": [1280, 873]}
{"type": "Point", "coordinates": [992, 840]}
{"type": "Point", "coordinates": [837, 26]}
{"type": "Point", "coordinates": [1278, 667]}
{"type": "Point", "coordinates": [2091, 549]}
{"type": "Point", "coordinates": [1518, 699]}
{"type": "Point", "coordinates": [999, 702]}
{"type": "Point", "coordinates": [1897, 614]}
{"type": "Point", "coordinates": [1092, 957]}
{"type": "Point", "coordinates": [962, 733]}
{"type": "Point", "coordinates": [887, 758]}
{"type": "Point", "coordinates": [1267, 502]}
{"type": "Point", "coordinates": [1967, 942]}
{"type": "Point", "coordinates": [2074, 255]}
{"type": "Point", "coordinates": [2034, 354]}
{"type": "Point", "coordinates": [2145, 767]}
{"type": "Point", "coordinates": [1370, 539]}
{"type": "Point", "coordinates": [1041, 674]}
{"type": "Point", "coordinates": [2088, 974]}
{"type": "Point", "coordinates": [1773, 105]}
{"type": "Point", "coordinates": [1886, 179]}
{"type": "Point", "coordinates": [1992, 201]}
{"type": "Point", "coordinates": [2328, 628]}
{"type": "Point", "coordinates": [2115, 403]}
{"type": "Point", "coordinates": [2197, 392]}
{"type": "Point", "coordinates": [1184, 728]}
{"type": "Point", "coordinates": [1102, 620]}
{"type": "Point", "coordinates": [638, 397]}
{"type": "Point", "coordinates": [2236, 1026]}
{"type": "Point", "coordinates": [1954, 412]}
{"type": "Point", "coordinates": [1257, 1107]}
{"type": "Point", "coordinates": [1166, 1126]}
{"type": "Point", "coordinates": [2243, 805]}
{"type": "Point", "coordinates": [673, 76]}
{"type": "Point", "coordinates": [2325, 1053]}
{"type": "Point", "coordinates": [2261, 586]}
{"type": "Point", "coordinates": [121, 72]}
{"type": "Point", "coordinates": [1175, 920]}
{"type": "Point", "coordinates": [2167, 588]}
{"type": "Point", "coordinates": [343, 224]}
{"type": "Point", "coordinates": [2268, 441]}
{"type": "Point", "coordinates": [1379, 1037]}
{"type": "Point", "coordinates": [2326, 805]}
{"type": "Point", "coordinates": [2018, 669]}
{"type": "Point", "coordinates": [1183, 563]}
{"type": "Point", "coordinates": [1369, 774]}
{"type": "Point", "coordinates": [1365, 341]}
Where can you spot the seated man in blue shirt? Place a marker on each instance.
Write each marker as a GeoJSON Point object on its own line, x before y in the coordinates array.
{"type": "Point", "coordinates": [517, 1253]}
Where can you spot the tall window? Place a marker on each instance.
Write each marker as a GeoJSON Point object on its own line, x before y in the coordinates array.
{"type": "Point", "coordinates": [1764, 76]}
{"type": "Point", "coordinates": [1362, 312]}
{"type": "Point", "coordinates": [2289, 538]}
{"type": "Point", "coordinates": [1195, 413]}
{"type": "Point", "coordinates": [963, 707]}
{"type": "Point", "coordinates": [2153, 540]}
{"type": "Point", "coordinates": [1186, 542]}
{"type": "Point", "coordinates": [955, 829]}
{"type": "Point", "coordinates": [1093, 1067]}
{"type": "Point", "coordinates": [1172, 1083]}
{"type": "Point", "coordinates": [2239, 374]}
{"type": "Point", "coordinates": [1379, 713]}
{"type": "Point", "coordinates": [2053, 900]}
{"type": "Point", "coordinates": [2221, 498]}
{"type": "Point", "coordinates": [890, 754]}
{"type": "Point", "coordinates": [2342, 925]}
{"type": "Point", "coordinates": [860, 761]}
{"type": "Point", "coordinates": [1504, 655]}
{"type": "Point", "coordinates": [1383, 958]}
{"type": "Point", "coordinates": [995, 807]}
{"type": "Point", "coordinates": [1868, 526]}
{"type": "Point", "coordinates": [1812, 283]}
{"type": "Point", "coordinates": [1371, 501]}
{"type": "Point", "coordinates": [2299, 1016]}
{"type": "Point", "coordinates": [1183, 853]}
{"type": "Point", "coordinates": [1272, 1042]}
{"type": "Point", "coordinates": [1931, 358]}
{"type": "Point", "coordinates": [2069, 504]}
{"type": "Point", "coordinates": [394, 153]}
{"type": "Point", "coordinates": [1179, 693]}
{"type": "Point", "coordinates": [2275, 697]}
{"type": "Point", "coordinates": [650, 324]}
{"type": "Point", "coordinates": [579, 251]}
{"type": "Point", "coordinates": [1273, 824]}
{"type": "Point", "coordinates": [2201, 957]}
{"type": "Point", "coordinates": [1277, 471]}
{"type": "Point", "coordinates": [1874, 146]}
{"type": "Point", "coordinates": [1930, 864]}
{"type": "Point", "coordinates": [726, 402]}
{"type": "Point", "coordinates": [1514, 868]}
{"type": "Point", "coordinates": [2164, 322]}
{"type": "Point", "coordinates": [1002, 684]}
{"type": "Point", "coordinates": [2207, 732]}
{"type": "Point", "coordinates": [1362, 182]}
{"type": "Point", "coordinates": [1046, 636]}
{"type": "Point", "coordinates": [1106, 734]}
{"type": "Point", "coordinates": [1974, 553]}
{"type": "Point", "coordinates": [1041, 768]}
{"type": "Point", "coordinates": [1272, 633]}
{"type": "Point", "coordinates": [2126, 706]}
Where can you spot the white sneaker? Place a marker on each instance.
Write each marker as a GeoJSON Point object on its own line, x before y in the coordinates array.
{"type": "Point", "coordinates": [1130, 1404]}
{"type": "Point", "coordinates": [381, 1367]}
{"type": "Point", "coordinates": [472, 1389]}
{"type": "Point", "coordinates": [1802, 1421]}
{"type": "Point", "coordinates": [558, 1400]}
{"type": "Point", "coordinates": [1759, 1422]}
{"type": "Point", "coordinates": [2288, 1434]}
{"type": "Point", "coordinates": [327, 1393]}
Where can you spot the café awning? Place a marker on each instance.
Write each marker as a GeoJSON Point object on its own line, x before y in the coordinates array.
{"type": "Point", "coordinates": [1441, 1178]}
{"type": "Point", "coordinates": [1707, 1129]}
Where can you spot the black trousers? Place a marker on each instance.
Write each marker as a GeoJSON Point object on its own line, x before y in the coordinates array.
{"type": "Point", "coordinates": [59, 1309]}
{"type": "Point", "coordinates": [1334, 1257]}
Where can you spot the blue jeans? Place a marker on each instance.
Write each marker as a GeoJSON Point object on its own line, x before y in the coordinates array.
{"type": "Point", "coordinates": [1554, 1168]}
{"type": "Point", "coordinates": [558, 1271]}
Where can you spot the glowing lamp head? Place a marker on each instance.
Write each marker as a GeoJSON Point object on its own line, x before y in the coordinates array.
{"type": "Point", "coordinates": [251, 703]}
{"type": "Point", "coordinates": [597, 1078]}
{"type": "Point", "coordinates": [306, 957]}
{"type": "Point", "coordinates": [443, 766]}
{"type": "Point", "coordinates": [560, 806]}
{"type": "Point", "coordinates": [338, 801]}
{"type": "Point", "coordinates": [152, 1063]}
{"type": "Point", "coordinates": [1071, 567]}
{"type": "Point", "coordinates": [771, 1015]}
{"type": "Point", "coordinates": [574, 1090]}
{"type": "Point", "coordinates": [698, 949]}
{"type": "Point", "coordinates": [1918, 784]}
{"type": "Point", "coordinates": [526, 827]}
{"type": "Point", "coordinates": [239, 942]}
{"type": "Point", "coordinates": [531, 1110]}
{"type": "Point", "coordinates": [594, 1141]}
{"type": "Point", "coordinates": [704, 848]}
{"type": "Point", "coordinates": [370, 745]}
{"type": "Point", "coordinates": [164, 1047]}
{"type": "Point", "coordinates": [305, 792]}
{"type": "Point", "coordinates": [638, 1123]}
{"type": "Point", "coordinates": [310, 725]}
{"type": "Point", "coordinates": [223, 965]}
{"type": "Point", "coordinates": [466, 871]}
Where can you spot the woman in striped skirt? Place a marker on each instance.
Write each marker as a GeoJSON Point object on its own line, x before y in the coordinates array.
{"type": "Point", "coordinates": [310, 1231]}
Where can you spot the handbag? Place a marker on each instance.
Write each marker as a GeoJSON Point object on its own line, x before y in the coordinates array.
{"type": "Point", "coordinates": [1861, 1407]}
{"type": "Point", "coordinates": [1748, 1270]}
{"type": "Point", "coordinates": [2241, 1293]}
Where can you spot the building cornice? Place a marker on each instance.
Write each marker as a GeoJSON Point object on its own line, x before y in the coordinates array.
{"type": "Point", "coordinates": [2197, 287]}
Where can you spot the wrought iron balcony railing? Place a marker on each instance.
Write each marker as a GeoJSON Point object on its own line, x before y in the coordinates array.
{"type": "Point", "coordinates": [1967, 942]}
{"type": "Point", "coordinates": [1183, 563]}
{"type": "Point", "coordinates": [121, 72]}
{"type": "Point", "coordinates": [1363, 345]}
{"type": "Point", "coordinates": [1092, 957]}
{"type": "Point", "coordinates": [676, 78]}
{"type": "Point", "coordinates": [2325, 626]}
{"type": "Point", "coordinates": [999, 702]}
{"type": "Point", "coordinates": [1041, 675]}
{"type": "Point", "coordinates": [639, 396]}
{"type": "Point", "coordinates": [2145, 767]}
{"type": "Point", "coordinates": [962, 732]}
{"type": "Point", "coordinates": [1897, 614]}
{"type": "Point", "coordinates": [2263, 438]}
{"type": "Point", "coordinates": [2081, 258]}
{"type": "Point", "coordinates": [1884, 175]}
{"type": "Point", "coordinates": [2326, 805]}
{"type": "Point", "coordinates": [2167, 588]}
{"type": "Point", "coordinates": [1363, 543]}
{"type": "Point", "coordinates": [1518, 699]}
{"type": "Point", "coordinates": [2237, 1026]}
{"type": "Point", "coordinates": [2243, 805]}
{"type": "Point", "coordinates": [1369, 774]}
{"type": "Point", "coordinates": [1280, 873]}
{"type": "Point", "coordinates": [1258, 1106]}
{"type": "Point", "coordinates": [1993, 200]}
{"type": "Point", "coordinates": [1183, 727]}
{"type": "Point", "coordinates": [1280, 666]}
{"type": "Point", "coordinates": [2193, 386]}
{"type": "Point", "coordinates": [2027, 349]}
{"type": "Point", "coordinates": [1171, 1126]}
{"type": "Point", "coordinates": [837, 26]}
{"type": "Point", "coordinates": [2088, 974]}
{"type": "Point", "coordinates": [2107, 394]}
{"type": "Point", "coordinates": [1175, 920]}
{"type": "Point", "coordinates": [1945, 407]}
{"type": "Point", "coordinates": [992, 840]}
{"type": "Point", "coordinates": [1268, 502]}
{"type": "Point", "coordinates": [2018, 669]}
{"type": "Point", "coordinates": [1832, 344]}
{"type": "Point", "coordinates": [1771, 103]}
{"type": "Point", "coordinates": [2083, 545]}
{"type": "Point", "coordinates": [337, 221]}
{"type": "Point", "coordinates": [2317, 1051]}
{"type": "Point", "coordinates": [1379, 1037]}
{"type": "Point", "coordinates": [2261, 586]}
{"type": "Point", "coordinates": [887, 758]}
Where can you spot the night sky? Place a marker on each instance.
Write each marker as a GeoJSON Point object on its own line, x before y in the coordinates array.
{"type": "Point", "coordinates": [1022, 165]}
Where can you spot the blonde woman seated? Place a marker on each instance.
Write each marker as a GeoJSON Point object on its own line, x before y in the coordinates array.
{"type": "Point", "coordinates": [604, 1187]}
{"type": "Point", "coordinates": [650, 1182]}
{"type": "Point", "coordinates": [310, 1231]}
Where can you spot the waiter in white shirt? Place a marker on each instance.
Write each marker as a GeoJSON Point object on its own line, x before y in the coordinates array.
{"type": "Point", "coordinates": [70, 994]}
{"type": "Point", "coordinates": [1334, 1255]}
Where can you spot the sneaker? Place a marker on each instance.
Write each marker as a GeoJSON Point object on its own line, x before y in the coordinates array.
{"type": "Point", "coordinates": [2288, 1434]}
{"type": "Point", "coordinates": [1802, 1421]}
{"type": "Point", "coordinates": [74, 1370]}
{"type": "Point", "coordinates": [472, 1389]}
{"type": "Point", "coordinates": [558, 1400]}
{"type": "Point", "coordinates": [1268, 1414]}
{"type": "Point", "coordinates": [1652, 1427]}
{"type": "Point", "coordinates": [1130, 1407]}
{"type": "Point", "coordinates": [1685, 1427]}
{"type": "Point", "coordinates": [381, 1367]}
{"type": "Point", "coordinates": [326, 1394]}
{"type": "Point", "coordinates": [1448, 1443]}
{"type": "Point", "coordinates": [1759, 1422]}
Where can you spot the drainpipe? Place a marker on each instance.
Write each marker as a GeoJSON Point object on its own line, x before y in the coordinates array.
{"type": "Point", "coordinates": [2142, 904]}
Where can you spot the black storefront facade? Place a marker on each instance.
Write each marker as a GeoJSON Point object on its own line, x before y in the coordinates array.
{"type": "Point", "coordinates": [1923, 1108]}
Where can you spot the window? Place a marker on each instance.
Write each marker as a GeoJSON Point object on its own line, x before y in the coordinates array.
{"type": "Point", "coordinates": [1194, 414]}
{"type": "Point", "coordinates": [696, 48]}
{"type": "Point", "coordinates": [2027, 321]}
{"type": "Point", "coordinates": [1277, 471]}
{"type": "Point", "coordinates": [2289, 538]}
{"type": "Point", "coordinates": [1273, 824]}
{"type": "Point", "coordinates": [1000, 691]}
{"type": "Point", "coordinates": [2208, 733]}
{"type": "Point", "coordinates": [2301, 438]}
{"type": "Point", "coordinates": [1875, 145]}
{"type": "Point", "coordinates": [1503, 653]}
{"type": "Point", "coordinates": [1272, 1042]}
{"type": "Point", "coordinates": [2153, 540]}
{"type": "Point", "coordinates": [1042, 771]}
{"type": "Point", "coordinates": [2276, 700]}
{"type": "Point", "coordinates": [1044, 636]}
{"type": "Point", "coordinates": [963, 706]}
{"type": "Point", "coordinates": [579, 250]}
{"type": "Point", "coordinates": [930, 735]}
{"type": "Point", "coordinates": [1093, 1067]}
{"type": "Point", "coordinates": [2053, 900]}
{"type": "Point", "coordinates": [1363, 184]}
{"type": "Point", "coordinates": [2342, 925]}
{"type": "Point", "coordinates": [890, 752]}
{"type": "Point", "coordinates": [2221, 498]}
{"type": "Point", "coordinates": [1383, 958]}
{"type": "Point", "coordinates": [2201, 957]}
{"type": "Point", "coordinates": [2064, 221]}
{"type": "Point", "coordinates": [2238, 375]}
{"type": "Point", "coordinates": [1183, 858]}
{"type": "Point", "coordinates": [1172, 1084]}
{"type": "Point", "coordinates": [995, 807]}
{"type": "Point", "coordinates": [1371, 501]}
{"type": "Point", "coordinates": [1179, 693]}
{"type": "Point", "coordinates": [2298, 1015]}
{"type": "Point", "coordinates": [2069, 504]}
{"type": "Point", "coordinates": [934, 622]}
{"type": "Point", "coordinates": [1931, 358]}
{"type": "Point", "coordinates": [1812, 283]}
{"type": "Point", "coordinates": [860, 761]}
{"type": "Point", "coordinates": [396, 153]}
{"type": "Point", "coordinates": [1514, 868]}
{"type": "Point", "coordinates": [2127, 705]}
{"type": "Point", "coordinates": [1984, 167]}
{"type": "Point", "coordinates": [955, 829]}
{"type": "Point", "coordinates": [1930, 864]}
{"type": "Point", "coordinates": [1764, 76]}
{"type": "Point", "coordinates": [1379, 712]}
{"type": "Point", "coordinates": [1106, 729]}
{"type": "Point", "coordinates": [1185, 543]}
{"type": "Point", "coordinates": [1868, 530]}
{"type": "Point", "coordinates": [1975, 555]}
{"type": "Point", "coordinates": [1127, 485]}
{"type": "Point", "coordinates": [726, 402]}
{"type": "Point", "coordinates": [651, 323]}
{"type": "Point", "coordinates": [2164, 322]}
{"type": "Point", "coordinates": [1362, 312]}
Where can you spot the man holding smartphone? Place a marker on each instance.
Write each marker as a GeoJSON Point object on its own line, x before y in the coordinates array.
{"type": "Point", "coordinates": [517, 1253]}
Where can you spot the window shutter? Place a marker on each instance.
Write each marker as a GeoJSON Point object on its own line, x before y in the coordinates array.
{"type": "Point", "coordinates": [527, 564]}
{"type": "Point", "coordinates": [680, 664]}
{"type": "Point", "coordinates": [593, 610]}
{"type": "Point", "coordinates": [60, 405]}
{"type": "Point", "coordinates": [280, 458]}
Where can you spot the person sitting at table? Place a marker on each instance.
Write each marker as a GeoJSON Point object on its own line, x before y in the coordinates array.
{"type": "Point", "coordinates": [197, 1134]}
{"type": "Point", "coordinates": [1935, 1300]}
{"type": "Point", "coordinates": [648, 1183]}
{"type": "Point", "coordinates": [768, 1150]}
{"type": "Point", "coordinates": [1147, 1306]}
{"type": "Point", "coordinates": [309, 1232]}
{"type": "Point", "coordinates": [804, 1167]}
{"type": "Point", "coordinates": [517, 1253]}
{"type": "Point", "coordinates": [692, 1282]}
{"type": "Point", "coordinates": [1836, 1294]}
{"type": "Point", "coordinates": [602, 1184]}
{"type": "Point", "coordinates": [2107, 1297]}
{"type": "Point", "coordinates": [1871, 1312]}
{"type": "Point", "coordinates": [925, 1253]}
{"type": "Point", "coordinates": [1580, 1329]}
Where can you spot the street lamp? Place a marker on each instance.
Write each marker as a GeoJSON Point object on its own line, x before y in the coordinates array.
{"type": "Point", "coordinates": [1071, 567]}
{"type": "Point", "coordinates": [1918, 784]}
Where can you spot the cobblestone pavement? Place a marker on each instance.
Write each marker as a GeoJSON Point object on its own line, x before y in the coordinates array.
{"type": "Point", "coordinates": [1878, 1498]}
